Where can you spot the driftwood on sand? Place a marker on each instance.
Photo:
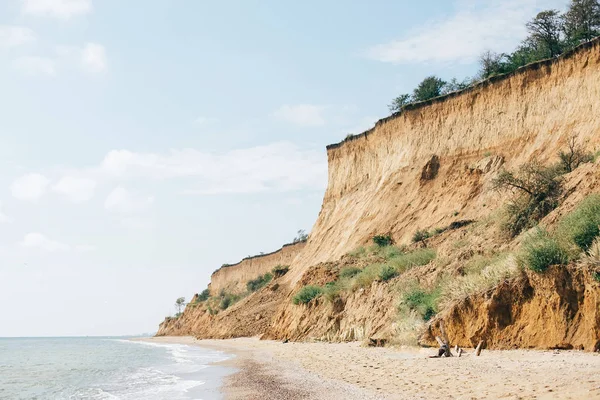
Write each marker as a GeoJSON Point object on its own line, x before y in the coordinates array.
{"type": "Point", "coordinates": [444, 342]}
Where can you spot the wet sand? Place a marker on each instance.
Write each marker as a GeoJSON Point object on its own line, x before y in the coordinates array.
{"type": "Point", "coordinates": [274, 370]}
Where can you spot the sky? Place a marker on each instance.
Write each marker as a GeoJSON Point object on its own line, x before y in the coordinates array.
{"type": "Point", "coordinates": [144, 143]}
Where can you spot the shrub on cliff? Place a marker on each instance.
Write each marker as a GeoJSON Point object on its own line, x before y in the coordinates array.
{"type": "Point", "coordinates": [383, 240]}
{"type": "Point", "coordinates": [420, 236]}
{"type": "Point", "coordinates": [574, 156]}
{"type": "Point", "coordinates": [366, 277]}
{"type": "Point", "coordinates": [423, 302]}
{"type": "Point", "coordinates": [258, 283]}
{"type": "Point", "coordinates": [203, 296]}
{"type": "Point", "coordinates": [228, 300]}
{"type": "Point", "coordinates": [581, 226]}
{"type": "Point", "coordinates": [537, 190]}
{"type": "Point", "coordinates": [307, 294]}
{"type": "Point", "coordinates": [387, 272]}
{"type": "Point", "coordinates": [541, 251]}
{"type": "Point", "coordinates": [280, 270]}
{"type": "Point", "coordinates": [349, 272]}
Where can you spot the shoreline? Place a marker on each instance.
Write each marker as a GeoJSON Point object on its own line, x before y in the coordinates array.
{"type": "Point", "coordinates": [274, 370]}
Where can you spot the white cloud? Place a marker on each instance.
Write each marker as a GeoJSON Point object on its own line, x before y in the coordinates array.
{"type": "Point", "coordinates": [13, 36]}
{"type": "Point", "coordinates": [3, 217]}
{"type": "Point", "coordinates": [497, 25]}
{"type": "Point", "coordinates": [39, 241]}
{"type": "Point", "coordinates": [121, 200]}
{"type": "Point", "coordinates": [93, 58]}
{"type": "Point", "coordinates": [76, 190]}
{"type": "Point", "coordinates": [63, 9]}
{"type": "Point", "coordinates": [35, 66]}
{"type": "Point", "coordinates": [274, 167]}
{"type": "Point", "coordinates": [301, 114]}
{"type": "Point", "coordinates": [29, 187]}
{"type": "Point", "coordinates": [85, 248]}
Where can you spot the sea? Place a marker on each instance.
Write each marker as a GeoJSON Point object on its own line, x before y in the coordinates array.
{"type": "Point", "coordinates": [107, 369]}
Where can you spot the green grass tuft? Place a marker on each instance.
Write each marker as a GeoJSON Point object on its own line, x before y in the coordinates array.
{"type": "Point", "coordinates": [307, 294]}
{"type": "Point", "coordinates": [413, 259]}
{"type": "Point", "coordinates": [349, 272]}
{"type": "Point", "coordinates": [387, 272]}
{"type": "Point", "coordinates": [541, 251]}
{"type": "Point", "coordinates": [258, 283]}
{"type": "Point", "coordinates": [580, 227]}
{"type": "Point", "coordinates": [421, 301]}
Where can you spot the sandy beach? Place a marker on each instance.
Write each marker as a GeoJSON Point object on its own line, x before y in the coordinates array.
{"type": "Point", "coordinates": [275, 370]}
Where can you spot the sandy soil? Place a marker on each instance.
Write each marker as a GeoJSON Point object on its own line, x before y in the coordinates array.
{"type": "Point", "coordinates": [274, 370]}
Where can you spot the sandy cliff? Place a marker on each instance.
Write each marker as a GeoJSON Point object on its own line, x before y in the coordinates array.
{"type": "Point", "coordinates": [427, 167]}
{"type": "Point", "coordinates": [375, 179]}
{"type": "Point", "coordinates": [234, 277]}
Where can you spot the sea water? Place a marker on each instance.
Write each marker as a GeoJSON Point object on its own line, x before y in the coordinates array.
{"type": "Point", "coordinates": [107, 368]}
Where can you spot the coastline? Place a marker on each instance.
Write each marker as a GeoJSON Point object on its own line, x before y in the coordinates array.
{"type": "Point", "coordinates": [274, 370]}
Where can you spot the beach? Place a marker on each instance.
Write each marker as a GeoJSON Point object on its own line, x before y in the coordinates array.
{"type": "Point", "coordinates": [276, 370]}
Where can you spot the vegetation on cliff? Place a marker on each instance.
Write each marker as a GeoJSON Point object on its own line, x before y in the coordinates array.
{"type": "Point", "coordinates": [550, 35]}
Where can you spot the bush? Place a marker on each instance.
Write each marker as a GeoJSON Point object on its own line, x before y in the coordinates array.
{"type": "Point", "coordinates": [227, 299]}
{"type": "Point", "coordinates": [541, 251]}
{"type": "Point", "coordinates": [203, 296]}
{"type": "Point", "coordinates": [307, 294]}
{"type": "Point", "coordinates": [258, 283]}
{"type": "Point", "coordinates": [421, 301]}
{"type": "Point", "coordinates": [413, 259]}
{"type": "Point", "coordinates": [580, 227]}
{"type": "Point", "coordinates": [349, 272]}
{"type": "Point", "coordinates": [387, 272]}
{"type": "Point", "coordinates": [225, 303]}
{"type": "Point", "coordinates": [420, 236]}
{"type": "Point", "coordinates": [331, 291]}
{"type": "Point", "coordinates": [383, 240]}
{"type": "Point", "coordinates": [538, 189]}
{"type": "Point", "coordinates": [366, 277]}
{"type": "Point", "coordinates": [280, 270]}
{"type": "Point", "coordinates": [574, 156]}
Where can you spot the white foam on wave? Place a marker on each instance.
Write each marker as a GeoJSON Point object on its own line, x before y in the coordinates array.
{"type": "Point", "coordinates": [167, 381]}
{"type": "Point", "coordinates": [188, 359]}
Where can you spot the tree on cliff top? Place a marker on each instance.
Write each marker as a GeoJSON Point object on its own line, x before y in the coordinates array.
{"type": "Point", "coordinates": [429, 88]}
{"type": "Point", "coordinates": [399, 103]}
{"type": "Point", "coordinates": [179, 303]}
{"type": "Point", "coordinates": [301, 237]}
{"type": "Point", "coordinates": [545, 29]}
{"type": "Point", "coordinates": [582, 20]}
{"type": "Point", "coordinates": [490, 64]}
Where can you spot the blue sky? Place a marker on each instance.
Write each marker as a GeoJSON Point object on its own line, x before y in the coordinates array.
{"type": "Point", "coordinates": [145, 143]}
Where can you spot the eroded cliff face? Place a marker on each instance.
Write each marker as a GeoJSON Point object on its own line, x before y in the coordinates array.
{"type": "Point", "coordinates": [427, 167]}
{"type": "Point", "coordinates": [558, 309]}
{"type": "Point", "coordinates": [375, 179]}
{"type": "Point", "coordinates": [233, 278]}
